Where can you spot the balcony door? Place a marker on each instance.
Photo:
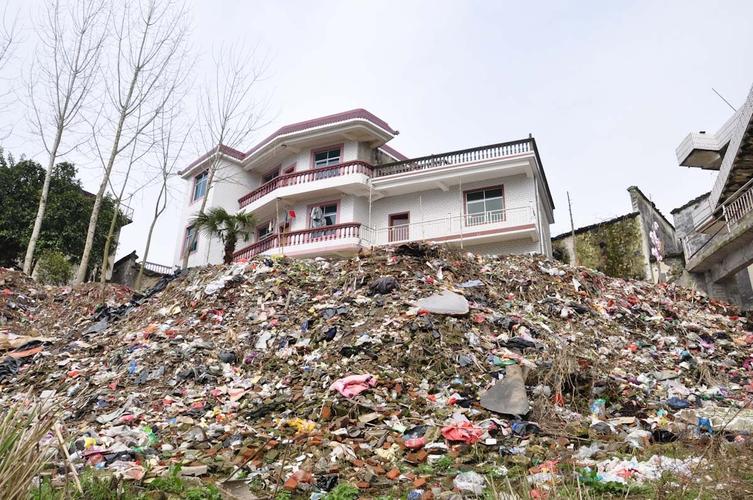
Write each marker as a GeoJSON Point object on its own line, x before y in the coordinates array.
{"type": "Point", "coordinates": [398, 227]}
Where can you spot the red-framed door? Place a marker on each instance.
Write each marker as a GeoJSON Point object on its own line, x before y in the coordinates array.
{"type": "Point", "coordinates": [398, 227]}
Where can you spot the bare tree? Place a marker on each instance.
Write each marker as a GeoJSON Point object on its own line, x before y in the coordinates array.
{"type": "Point", "coordinates": [171, 140]}
{"type": "Point", "coordinates": [150, 44]}
{"type": "Point", "coordinates": [229, 112]}
{"type": "Point", "coordinates": [137, 153]}
{"type": "Point", "coordinates": [8, 41]}
{"type": "Point", "coordinates": [60, 81]}
{"type": "Point", "coordinates": [7, 37]}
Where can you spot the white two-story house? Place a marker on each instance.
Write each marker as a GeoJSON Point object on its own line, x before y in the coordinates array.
{"type": "Point", "coordinates": [332, 186]}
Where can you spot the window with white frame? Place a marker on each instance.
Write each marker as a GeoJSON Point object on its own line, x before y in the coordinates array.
{"type": "Point", "coordinates": [200, 185]}
{"type": "Point", "coordinates": [192, 240]}
{"type": "Point", "coordinates": [484, 206]}
{"type": "Point", "coordinates": [264, 231]}
{"type": "Point", "coordinates": [323, 215]}
{"type": "Point", "coordinates": [326, 158]}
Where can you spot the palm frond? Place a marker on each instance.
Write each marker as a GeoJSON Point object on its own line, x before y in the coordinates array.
{"type": "Point", "coordinates": [212, 222]}
{"type": "Point", "coordinates": [218, 222]}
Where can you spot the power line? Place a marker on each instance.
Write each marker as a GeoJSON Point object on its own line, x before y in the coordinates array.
{"type": "Point", "coordinates": [723, 99]}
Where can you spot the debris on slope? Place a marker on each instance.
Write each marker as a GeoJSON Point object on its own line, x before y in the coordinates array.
{"type": "Point", "coordinates": [390, 370]}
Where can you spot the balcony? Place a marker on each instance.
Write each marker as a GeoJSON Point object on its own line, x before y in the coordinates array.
{"type": "Point", "coordinates": [729, 247]}
{"type": "Point", "coordinates": [343, 239]}
{"type": "Point", "coordinates": [307, 180]}
{"type": "Point", "coordinates": [338, 238]}
{"type": "Point", "coordinates": [492, 226]}
{"type": "Point", "coordinates": [473, 155]}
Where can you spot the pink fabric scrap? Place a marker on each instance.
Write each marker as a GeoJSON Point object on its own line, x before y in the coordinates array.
{"type": "Point", "coordinates": [463, 431]}
{"type": "Point", "coordinates": [353, 385]}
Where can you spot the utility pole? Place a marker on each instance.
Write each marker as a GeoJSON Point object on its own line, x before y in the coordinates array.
{"type": "Point", "coordinates": [572, 230]}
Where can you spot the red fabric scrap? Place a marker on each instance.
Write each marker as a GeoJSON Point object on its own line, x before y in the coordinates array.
{"type": "Point", "coordinates": [463, 431]}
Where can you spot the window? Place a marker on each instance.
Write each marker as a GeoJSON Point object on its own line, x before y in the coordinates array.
{"type": "Point", "coordinates": [484, 206]}
{"type": "Point", "coordinates": [321, 216]}
{"type": "Point", "coordinates": [192, 240]}
{"type": "Point", "coordinates": [200, 185]}
{"type": "Point", "coordinates": [327, 157]}
{"type": "Point", "coordinates": [264, 231]}
{"type": "Point", "coordinates": [271, 175]}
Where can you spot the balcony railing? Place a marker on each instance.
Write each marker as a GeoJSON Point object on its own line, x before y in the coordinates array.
{"type": "Point", "coordinates": [740, 205]}
{"type": "Point", "coordinates": [158, 268]}
{"type": "Point", "coordinates": [733, 210]}
{"type": "Point", "coordinates": [315, 174]}
{"type": "Point", "coordinates": [456, 157]}
{"type": "Point", "coordinates": [126, 211]}
{"type": "Point", "coordinates": [297, 238]}
{"type": "Point", "coordinates": [453, 227]}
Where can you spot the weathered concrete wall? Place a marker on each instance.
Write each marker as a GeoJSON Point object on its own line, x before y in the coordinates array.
{"type": "Point", "coordinates": [650, 215]}
{"type": "Point", "coordinates": [737, 288]}
{"type": "Point", "coordinates": [614, 248]}
{"type": "Point", "coordinates": [685, 219]}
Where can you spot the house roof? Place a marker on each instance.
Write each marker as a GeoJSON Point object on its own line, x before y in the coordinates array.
{"type": "Point", "coordinates": [353, 114]}
{"type": "Point", "coordinates": [585, 229]}
{"type": "Point", "coordinates": [131, 255]}
{"type": "Point", "coordinates": [691, 202]}
{"type": "Point", "coordinates": [324, 120]}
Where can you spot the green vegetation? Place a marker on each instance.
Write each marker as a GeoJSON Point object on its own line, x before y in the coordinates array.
{"type": "Point", "coordinates": [105, 487]}
{"type": "Point", "coordinates": [53, 268]}
{"type": "Point", "coordinates": [283, 495]}
{"type": "Point", "coordinates": [343, 491]}
{"type": "Point", "coordinates": [66, 218]}
{"type": "Point", "coordinates": [614, 249]}
{"type": "Point", "coordinates": [228, 228]}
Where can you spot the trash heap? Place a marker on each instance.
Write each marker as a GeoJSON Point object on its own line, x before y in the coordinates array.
{"type": "Point", "coordinates": [32, 315]}
{"type": "Point", "coordinates": [418, 370]}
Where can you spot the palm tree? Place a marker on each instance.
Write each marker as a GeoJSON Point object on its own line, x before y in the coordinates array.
{"type": "Point", "coordinates": [228, 228]}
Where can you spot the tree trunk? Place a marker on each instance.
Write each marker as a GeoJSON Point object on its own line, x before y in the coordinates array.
{"type": "Point", "coordinates": [157, 213]}
{"type": "Point", "coordinates": [29, 258]}
{"type": "Point", "coordinates": [108, 242]}
{"type": "Point", "coordinates": [229, 251]}
{"type": "Point", "coordinates": [81, 275]}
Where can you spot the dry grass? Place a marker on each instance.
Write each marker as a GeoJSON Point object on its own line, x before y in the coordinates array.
{"type": "Point", "coordinates": [22, 457]}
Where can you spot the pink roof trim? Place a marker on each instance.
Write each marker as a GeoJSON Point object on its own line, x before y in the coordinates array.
{"type": "Point", "coordinates": [226, 150]}
{"type": "Point", "coordinates": [325, 120]}
{"type": "Point", "coordinates": [394, 153]}
{"type": "Point", "coordinates": [304, 125]}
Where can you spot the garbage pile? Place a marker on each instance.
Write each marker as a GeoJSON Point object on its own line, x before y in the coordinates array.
{"type": "Point", "coordinates": [32, 315]}
{"type": "Point", "coordinates": [419, 370]}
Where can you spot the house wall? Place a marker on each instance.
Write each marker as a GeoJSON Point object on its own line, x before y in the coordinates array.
{"type": "Point", "coordinates": [437, 204]}
{"type": "Point", "coordinates": [649, 216]}
{"type": "Point", "coordinates": [737, 289]}
{"type": "Point", "coordinates": [231, 182]}
{"type": "Point", "coordinates": [685, 222]}
{"type": "Point", "coordinates": [514, 247]}
{"type": "Point", "coordinates": [426, 205]}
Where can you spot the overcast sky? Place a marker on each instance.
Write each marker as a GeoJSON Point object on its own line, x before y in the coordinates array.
{"type": "Point", "coordinates": [608, 89]}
